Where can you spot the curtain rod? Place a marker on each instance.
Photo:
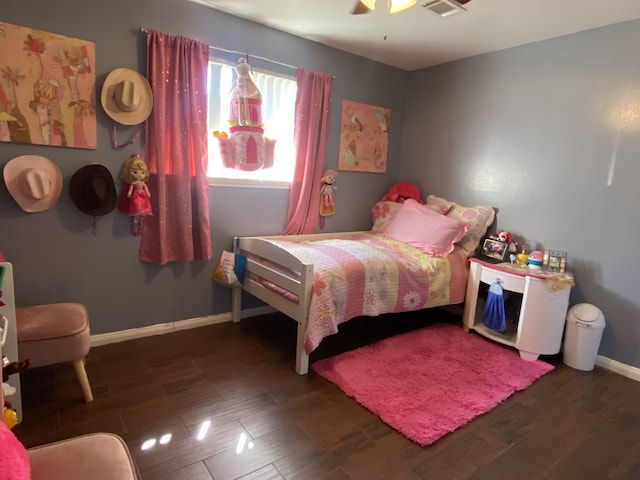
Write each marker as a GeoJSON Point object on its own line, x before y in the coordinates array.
{"type": "Point", "coordinates": [144, 30]}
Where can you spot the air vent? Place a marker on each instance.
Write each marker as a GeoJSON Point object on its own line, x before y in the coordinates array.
{"type": "Point", "coordinates": [444, 8]}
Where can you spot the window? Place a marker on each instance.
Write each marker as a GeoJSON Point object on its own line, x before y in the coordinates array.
{"type": "Point", "coordinates": [278, 110]}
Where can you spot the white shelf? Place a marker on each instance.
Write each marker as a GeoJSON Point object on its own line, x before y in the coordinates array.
{"type": "Point", "coordinates": [10, 341]}
{"type": "Point", "coordinates": [509, 337]}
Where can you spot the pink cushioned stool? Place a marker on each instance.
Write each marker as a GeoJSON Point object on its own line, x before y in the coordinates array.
{"type": "Point", "coordinates": [96, 456]}
{"type": "Point", "coordinates": [55, 333]}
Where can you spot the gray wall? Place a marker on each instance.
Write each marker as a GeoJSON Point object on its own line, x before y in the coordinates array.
{"type": "Point", "coordinates": [529, 130]}
{"type": "Point", "coordinates": [54, 254]}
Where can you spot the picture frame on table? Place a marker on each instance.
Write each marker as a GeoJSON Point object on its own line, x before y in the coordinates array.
{"type": "Point", "coordinates": [495, 249]}
{"type": "Point", "coordinates": [554, 261]}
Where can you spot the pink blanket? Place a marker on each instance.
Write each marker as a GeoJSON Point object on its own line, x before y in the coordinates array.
{"type": "Point", "coordinates": [372, 276]}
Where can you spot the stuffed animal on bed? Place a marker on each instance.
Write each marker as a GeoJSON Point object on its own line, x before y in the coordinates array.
{"type": "Point", "coordinates": [401, 192]}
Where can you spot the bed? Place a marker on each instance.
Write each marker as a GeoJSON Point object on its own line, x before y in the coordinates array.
{"type": "Point", "coordinates": [322, 280]}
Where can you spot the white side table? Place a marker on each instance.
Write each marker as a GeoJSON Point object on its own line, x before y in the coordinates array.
{"type": "Point", "coordinates": [539, 325]}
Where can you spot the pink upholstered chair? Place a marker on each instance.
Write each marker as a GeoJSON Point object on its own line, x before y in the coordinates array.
{"type": "Point", "coordinates": [95, 456]}
{"type": "Point", "coordinates": [55, 333]}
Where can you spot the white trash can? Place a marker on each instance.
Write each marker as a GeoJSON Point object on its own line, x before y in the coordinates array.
{"type": "Point", "coordinates": [583, 332]}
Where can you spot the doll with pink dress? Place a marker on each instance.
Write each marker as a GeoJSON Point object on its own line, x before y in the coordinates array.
{"type": "Point", "coordinates": [137, 199]}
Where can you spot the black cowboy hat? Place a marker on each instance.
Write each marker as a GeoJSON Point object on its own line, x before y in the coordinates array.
{"type": "Point", "coordinates": [93, 190]}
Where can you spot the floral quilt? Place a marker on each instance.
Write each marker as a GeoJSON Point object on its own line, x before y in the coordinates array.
{"type": "Point", "coordinates": [372, 276]}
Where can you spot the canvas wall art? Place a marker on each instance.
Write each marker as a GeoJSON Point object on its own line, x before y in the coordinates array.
{"type": "Point", "coordinates": [364, 137]}
{"type": "Point", "coordinates": [47, 88]}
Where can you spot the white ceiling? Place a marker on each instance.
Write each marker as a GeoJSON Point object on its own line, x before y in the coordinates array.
{"type": "Point", "coordinates": [417, 37]}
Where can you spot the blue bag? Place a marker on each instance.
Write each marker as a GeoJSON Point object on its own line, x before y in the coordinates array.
{"type": "Point", "coordinates": [230, 269]}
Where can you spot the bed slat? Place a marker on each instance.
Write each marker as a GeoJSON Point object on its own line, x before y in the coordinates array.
{"type": "Point", "coordinates": [283, 280]}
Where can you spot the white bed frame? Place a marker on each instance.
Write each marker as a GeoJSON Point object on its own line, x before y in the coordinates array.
{"type": "Point", "coordinates": [300, 282]}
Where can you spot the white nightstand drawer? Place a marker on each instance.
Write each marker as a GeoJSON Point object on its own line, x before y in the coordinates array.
{"type": "Point", "coordinates": [513, 283]}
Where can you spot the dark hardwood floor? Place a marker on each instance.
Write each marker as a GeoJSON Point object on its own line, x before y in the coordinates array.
{"type": "Point", "coordinates": [268, 423]}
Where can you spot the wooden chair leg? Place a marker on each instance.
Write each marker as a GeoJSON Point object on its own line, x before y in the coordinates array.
{"type": "Point", "coordinates": [81, 373]}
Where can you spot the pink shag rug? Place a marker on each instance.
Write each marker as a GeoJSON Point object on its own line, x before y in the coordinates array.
{"type": "Point", "coordinates": [431, 381]}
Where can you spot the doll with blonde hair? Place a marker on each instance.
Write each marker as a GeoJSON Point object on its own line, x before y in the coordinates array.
{"type": "Point", "coordinates": [135, 175]}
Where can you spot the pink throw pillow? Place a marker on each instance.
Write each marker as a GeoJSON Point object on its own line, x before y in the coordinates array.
{"type": "Point", "coordinates": [385, 211]}
{"type": "Point", "coordinates": [428, 231]}
{"type": "Point", "coordinates": [479, 219]}
{"type": "Point", "coordinates": [383, 214]}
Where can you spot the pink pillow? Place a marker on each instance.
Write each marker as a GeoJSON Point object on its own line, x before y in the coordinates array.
{"type": "Point", "coordinates": [479, 219]}
{"type": "Point", "coordinates": [428, 231]}
{"type": "Point", "coordinates": [385, 211]}
{"type": "Point", "coordinates": [383, 214]}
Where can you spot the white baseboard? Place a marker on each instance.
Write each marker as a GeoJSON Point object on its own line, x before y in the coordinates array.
{"type": "Point", "coordinates": [620, 368]}
{"type": "Point", "coordinates": [162, 328]}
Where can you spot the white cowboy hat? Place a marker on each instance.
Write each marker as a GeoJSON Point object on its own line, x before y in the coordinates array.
{"type": "Point", "coordinates": [33, 181]}
{"type": "Point", "coordinates": [127, 97]}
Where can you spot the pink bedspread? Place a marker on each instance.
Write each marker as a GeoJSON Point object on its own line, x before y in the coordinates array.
{"type": "Point", "coordinates": [371, 276]}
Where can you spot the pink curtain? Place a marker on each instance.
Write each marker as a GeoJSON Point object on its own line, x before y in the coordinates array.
{"type": "Point", "coordinates": [176, 151]}
{"type": "Point", "coordinates": [310, 135]}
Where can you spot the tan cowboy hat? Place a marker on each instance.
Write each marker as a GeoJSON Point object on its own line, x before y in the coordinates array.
{"type": "Point", "coordinates": [93, 190]}
{"type": "Point", "coordinates": [33, 181]}
{"type": "Point", "coordinates": [127, 97]}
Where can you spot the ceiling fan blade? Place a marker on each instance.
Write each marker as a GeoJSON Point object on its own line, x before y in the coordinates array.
{"type": "Point", "coordinates": [360, 8]}
{"type": "Point", "coordinates": [462, 2]}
